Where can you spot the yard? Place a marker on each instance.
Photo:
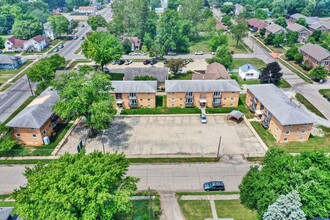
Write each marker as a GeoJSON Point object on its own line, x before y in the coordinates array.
{"type": "Point", "coordinates": [309, 105]}
{"type": "Point", "coordinates": [185, 76]}
{"type": "Point", "coordinates": [195, 209]}
{"type": "Point", "coordinates": [200, 44]}
{"type": "Point", "coordinates": [234, 209]}
{"type": "Point", "coordinates": [241, 48]}
{"type": "Point", "coordinates": [325, 92]}
{"type": "Point", "coordinates": [294, 64]}
{"type": "Point", "coordinates": [314, 142]}
{"type": "Point", "coordinates": [7, 74]}
{"type": "Point", "coordinates": [253, 61]}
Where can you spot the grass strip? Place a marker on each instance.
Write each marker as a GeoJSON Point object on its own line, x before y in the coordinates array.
{"type": "Point", "coordinates": [309, 105]}
{"type": "Point", "coordinates": [25, 161]}
{"type": "Point", "coordinates": [205, 193]}
{"type": "Point", "coordinates": [234, 209]}
{"type": "Point", "coordinates": [325, 92]}
{"type": "Point", "coordinates": [195, 209]}
{"type": "Point", "coordinates": [174, 160]}
{"type": "Point", "coordinates": [302, 76]}
{"type": "Point", "coordinates": [160, 110]}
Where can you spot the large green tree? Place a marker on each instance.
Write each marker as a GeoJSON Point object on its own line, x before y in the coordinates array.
{"type": "Point", "coordinates": [261, 14]}
{"type": "Point", "coordinates": [79, 186]}
{"type": "Point", "coordinates": [26, 27]}
{"type": "Point", "coordinates": [218, 38]}
{"type": "Point", "coordinates": [2, 43]}
{"type": "Point", "coordinates": [60, 24]}
{"type": "Point", "coordinates": [102, 47]}
{"type": "Point", "coordinates": [319, 73]}
{"type": "Point", "coordinates": [281, 173]}
{"type": "Point", "coordinates": [76, 3]}
{"type": "Point", "coordinates": [97, 21]}
{"type": "Point", "coordinates": [240, 30]}
{"type": "Point", "coordinates": [281, 21]}
{"type": "Point", "coordinates": [85, 94]}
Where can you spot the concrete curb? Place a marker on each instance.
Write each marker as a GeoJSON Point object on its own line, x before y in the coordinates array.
{"type": "Point", "coordinates": [210, 197]}
{"type": "Point", "coordinates": [170, 115]}
{"type": "Point", "coordinates": [256, 134]}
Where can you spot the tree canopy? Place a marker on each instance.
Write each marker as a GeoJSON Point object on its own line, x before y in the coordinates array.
{"type": "Point", "coordinates": [319, 73]}
{"type": "Point", "coordinates": [271, 73]}
{"type": "Point", "coordinates": [281, 173]}
{"type": "Point", "coordinates": [97, 21]}
{"type": "Point", "coordinates": [85, 93]}
{"type": "Point", "coordinates": [26, 27]}
{"type": "Point", "coordinates": [102, 47]}
{"type": "Point", "coordinates": [240, 30]}
{"type": "Point", "coordinates": [77, 186]}
{"type": "Point", "coordinates": [60, 24]}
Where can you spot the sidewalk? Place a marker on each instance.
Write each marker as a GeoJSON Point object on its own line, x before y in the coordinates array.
{"type": "Point", "coordinates": [211, 197]}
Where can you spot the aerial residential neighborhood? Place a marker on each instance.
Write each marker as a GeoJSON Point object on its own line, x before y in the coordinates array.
{"type": "Point", "coordinates": [165, 109]}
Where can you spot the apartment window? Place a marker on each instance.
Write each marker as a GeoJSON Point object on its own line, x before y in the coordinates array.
{"type": "Point", "coordinates": [305, 124]}
{"type": "Point", "coordinates": [32, 128]}
{"type": "Point", "coordinates": [148, 93]}
{"type": "Point", "coordinates": [289, 125]}
{"type": "Point", "coordinates": [34, 136]}
{"type": "Point", "coordinates": [303, 131]}
{"type": "Point", "coordinates": [140, 99]}
{"type": "Point", "coordinates": [274, 135]}
{"type": "Point", "coordinates": [301, 138]}
{"type": "Point", "coordinates": [45, 132]}
{"type": "Point", "coordinates": [216, 93]}
{"type": "Point", "coordinates": [173, 99]}
{"type": "Point", "coordinates": [148, 100]}
{"type": "Point", "coordinates": [287, 132]}
{"type": "Point", "coordinates": [149, 106]}
{"type": "Point", "coordinates": [18, 135]}
{"type": "Point", "coordinates": [180, 98]}
{"type": "Point", "coordinates": [232, 98]}
{"type": "Point", "coordinates": [224, 98]}
{"type": "Point", "coordinates": [173, 105]}
{"type": "Point", "coordinates": [285, 139]}
{"type": "Point", "coordinates": [181, 105]}
{"type": "Point", "coordinates": [173, 92]}
{"type": "Point", "coordinates": [231, 105]}
{"type": "Point", "coordinates": [50, 125]}
{"type": "Point", "coordinates": [276, 128]}
{"type": "Point", "coordinates": [132, 94]}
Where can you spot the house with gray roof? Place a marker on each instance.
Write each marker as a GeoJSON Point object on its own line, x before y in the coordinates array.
{"type": "Point", "coordinates": [275, 29]}
{"type": "Point", "coordinates": [160, 73]}
{"type": "Point", "coordinates": [318, 55]}
{"type": "Point", "coordinates": [309, 20]}
{"type": "Point", "coordinates": [284, 119]}
{"type": "Point", "coordinates": [202, 93]}
{"type": "Point", "coordinates": [10, 62]}
{"type": "Point", "coordinates": [303, 32]}
{"type": "Point", "coordinates": [248, 72]}
{"type": "Point", "coordinates": [37, 121]}
{"type": "Point", "coordinates": [320, 26]}
{"type": "Point", "coordinates": [134, 94]}
{"type": "Point", "coordinates": [214, 71]}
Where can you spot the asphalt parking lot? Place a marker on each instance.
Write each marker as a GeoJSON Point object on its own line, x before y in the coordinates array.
{"type": "Point", "coordinates": [176, 135]}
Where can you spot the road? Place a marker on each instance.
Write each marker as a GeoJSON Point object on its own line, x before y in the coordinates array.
{"type": "Point", "coordinates": [160, 177]}
{"type": "Point", "coordinates": [15, 96]}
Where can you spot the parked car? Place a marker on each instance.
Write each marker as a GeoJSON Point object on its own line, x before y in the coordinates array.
{"type": "Point", "coordinates": [146, 62]}
{"type": "Point", "coordinates": [181, 71]}
{"type": "Point", "coordinates": [106, 70]}
{"type": "Point", "coordinates": [121, 62]}
{"type": "Point", "coordinates": [186, 62]}
{"type": "Point", "coordinates": [213, 53]}
{"type": "Point", "coordinates": [199, 53]}
{"type": "Point", "coordinates": [56, 50]}
{"type": "Point", "coordinates": [82, 38]}
{"type": "Point", "coordinates": [165, 62]}
{"type": "Point", "coordinates": [75, 37]}
{"type": "Point", "coordinates": [171, 53]}
{"type": "Point", "coordinates": [114, 62]}
{"type": "Point", "coordinates": [153, 61]}
{"type": "Point", "coordinates": [203, 119]}
{"type": "Point", "coordinates": [214, 186]}
{"type": "Point", "coordinates": [1, 52]}
{"type": "Point", "coordinates": [60, 46]}
{"type": "Point", "coordinates": [128, 62]}
{"type": "Point", "coordinates": [82, 25]}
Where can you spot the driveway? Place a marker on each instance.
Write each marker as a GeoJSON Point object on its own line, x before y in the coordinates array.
{"type": "Point", "coordinates": [171, 135]}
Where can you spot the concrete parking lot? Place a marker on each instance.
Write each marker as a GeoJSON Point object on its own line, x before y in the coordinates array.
{"type": "Point", "coordinates": [157, 135]}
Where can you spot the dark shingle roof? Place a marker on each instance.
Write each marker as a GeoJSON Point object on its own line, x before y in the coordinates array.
{"type": "Point", "coordinates": [134, 87]}
{"type": "Point", "coordinates": [315, 51]}
{"type": "Point", "coordinates": [158, 72]}
{"type": "Point", "coordinates": [201, 86]}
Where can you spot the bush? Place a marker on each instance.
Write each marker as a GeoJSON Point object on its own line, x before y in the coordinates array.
{"type": "Point", "coordinates": [160, 110]}
{"type": "Point", "coordinates": [307, 65]}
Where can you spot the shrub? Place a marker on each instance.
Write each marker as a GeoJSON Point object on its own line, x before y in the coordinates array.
{"type": "Point", "coordinates": [160, 110]}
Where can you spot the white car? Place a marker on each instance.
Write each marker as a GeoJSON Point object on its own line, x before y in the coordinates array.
{"type": "Point", "coordinates": [203, 119]}
{"type": "Point", "coordinates": [199, 53]}
{"type": "Point", "coordinates": [213, 53]}
{"type": "Point", "coordinates": [181, 71]}
{"type": "Point", "coordinates": [128, 62]}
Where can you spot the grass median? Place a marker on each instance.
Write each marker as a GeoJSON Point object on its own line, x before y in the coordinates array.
{"type": "Point", "coordinates": [234, 209]}
{"type": "Point", "coordinates": [309, 105]}
{"type": "Point", "coordinates": [195, 209]}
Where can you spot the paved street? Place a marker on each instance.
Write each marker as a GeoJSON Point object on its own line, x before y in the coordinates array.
{"type": "Point", "coordinates": [163, 177]}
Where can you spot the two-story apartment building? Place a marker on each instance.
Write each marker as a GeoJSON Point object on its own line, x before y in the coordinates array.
{"type": "Point", "coordinates": [36, 121]}
{"type": "Point", "coordinates": [134, 94]}
{"type": "Point", "coordinates": [283, 118]}
{"type": "Point", "coordinates": [202, 93]}
{"type": "Point", "coordinates": [303, 32]}
{"type": "Point", "coordinates": [318, 55]}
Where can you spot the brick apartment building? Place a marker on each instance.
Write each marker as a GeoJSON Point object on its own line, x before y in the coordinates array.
{"type": "Point", "coordinates": [134, 94]}
{"type": "Point", "coordinates": [36, 121]}
{"type": "Point", "coordinates": [283, 118]}
{"type": "Point", "coordinates": [202, 93]}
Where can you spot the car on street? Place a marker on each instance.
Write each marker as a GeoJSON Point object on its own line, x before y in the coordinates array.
{"type": "Point", "coordinates": [199, 53]}
{"type": "Point", "coordinates": [186, 62]}
{"type": "Point", "coordinates": [121, 62]}
{"type": "Point", "coordinates": [146, 62]}
{"type": "Point", "coordinates": [106, 70]}
{"type": "Point", "coordinates": [114, 62]}
{"type": "Point", "coordinates": [203, 118]}
{"type": "Point", "coordinates": [60, 46]}
{"type": "Point", "coordinates": [82, 38]}
{"type": "Point", "coordinates": [153, 61]}
{"type": "Point", "coordinates": [56, 50]}
{"type": "Point", "coordinates": [128, 62]}
{"type": "Point", "coordinates": [214, 186]}
{"type": "Point", "coordinates": [75, 37]}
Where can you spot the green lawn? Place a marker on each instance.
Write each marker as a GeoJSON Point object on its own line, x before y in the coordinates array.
{"type": "Point", "coordinates": [186, 76]}
{"type": "Point", "coordinates": [309, 105]}
{"type": "Point", "coordinates": [15, 71]}
{"type": "Point", "coordinates": [241, 107]}
{"type": "Point", "coordinates": [233, 209]}
{"type": "Point", "coordinates": [240, 81]}
{"type": "Point", "coordinates": [201, 44]}
{"type": "Point", "coordinates": [303, 77]}
{"type": "Point", "coordinates": [253, 61]}
{"type": "Point", "coordinates": [294, 64]}
{"type": "Point", "coordinates": [195, 209]}
{"type": "Point", "coordinates": [325, 92]}
{"type": "Point", "coordinates": [241, 48]}
{"type": "Point", "coordinates": [117, 76]}
{"type": "Point", "coordinates": [160, 110]}
{"type": "Point", "coordinates": [314, 142]}
{"type": "Point", "coordinates": [204, 193]}
{"type": "Point", "coordinates": [74, 63]}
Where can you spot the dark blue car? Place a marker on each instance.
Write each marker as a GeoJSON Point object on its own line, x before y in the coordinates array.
{"type": "Point", "coordinates": [214, 186]}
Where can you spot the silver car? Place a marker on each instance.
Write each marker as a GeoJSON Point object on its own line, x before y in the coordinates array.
{"type": "Point", "coordinates": [203, 119]}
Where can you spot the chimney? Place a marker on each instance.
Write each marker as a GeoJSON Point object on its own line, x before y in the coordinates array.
{"type": "Point", "coordinates": [248, 66]}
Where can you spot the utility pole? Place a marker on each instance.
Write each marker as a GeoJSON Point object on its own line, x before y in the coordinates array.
{"type": "Point", "coordinates": [30, 85]}
{"type": "Point", "coordinates": [219, 146]}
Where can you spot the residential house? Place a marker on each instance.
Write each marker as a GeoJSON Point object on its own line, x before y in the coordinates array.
{"type": "Point", "coordinates": [160, 73]}
{"type": "Point", "coordinates": [321, 26]}
{"type": "Point", "coordinates": [238, 9]}
{"type": "Point", "coordinates": [318, 55]}
{"type": "Point", "coordinates": [135, 41]}
{"type": "Point", "coordinates": [219, 25]}
{"type": "Point", "coordinates": [256, 24]}
{"type": "Point", "coordinates": [10, 62]}
{"type": "Point", "coordinates": [36, 43]}
{"type": "Point", "coordinates": [275, 29]}
{"type": "Point", "coordinates": [36, 122]}
{"type": "Point", "coordinates": [248, 72]}
{"type": "Point", "coordinates": [202, 93]}
{"type": "Point", "coordinates": [214, 71]}
{"type": "Point", "coordinates": [303, 32]}
{"type": "Point", "coordinates": [309, 20]}
{"type": "Point", "coordinates": [283, 118]}
{"type": "Point", "coordinates": [49, 32]}
{"type": "Point", "coordinates": [134, 94]}
{"type": "Point", "coordinates": [88, 10]}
